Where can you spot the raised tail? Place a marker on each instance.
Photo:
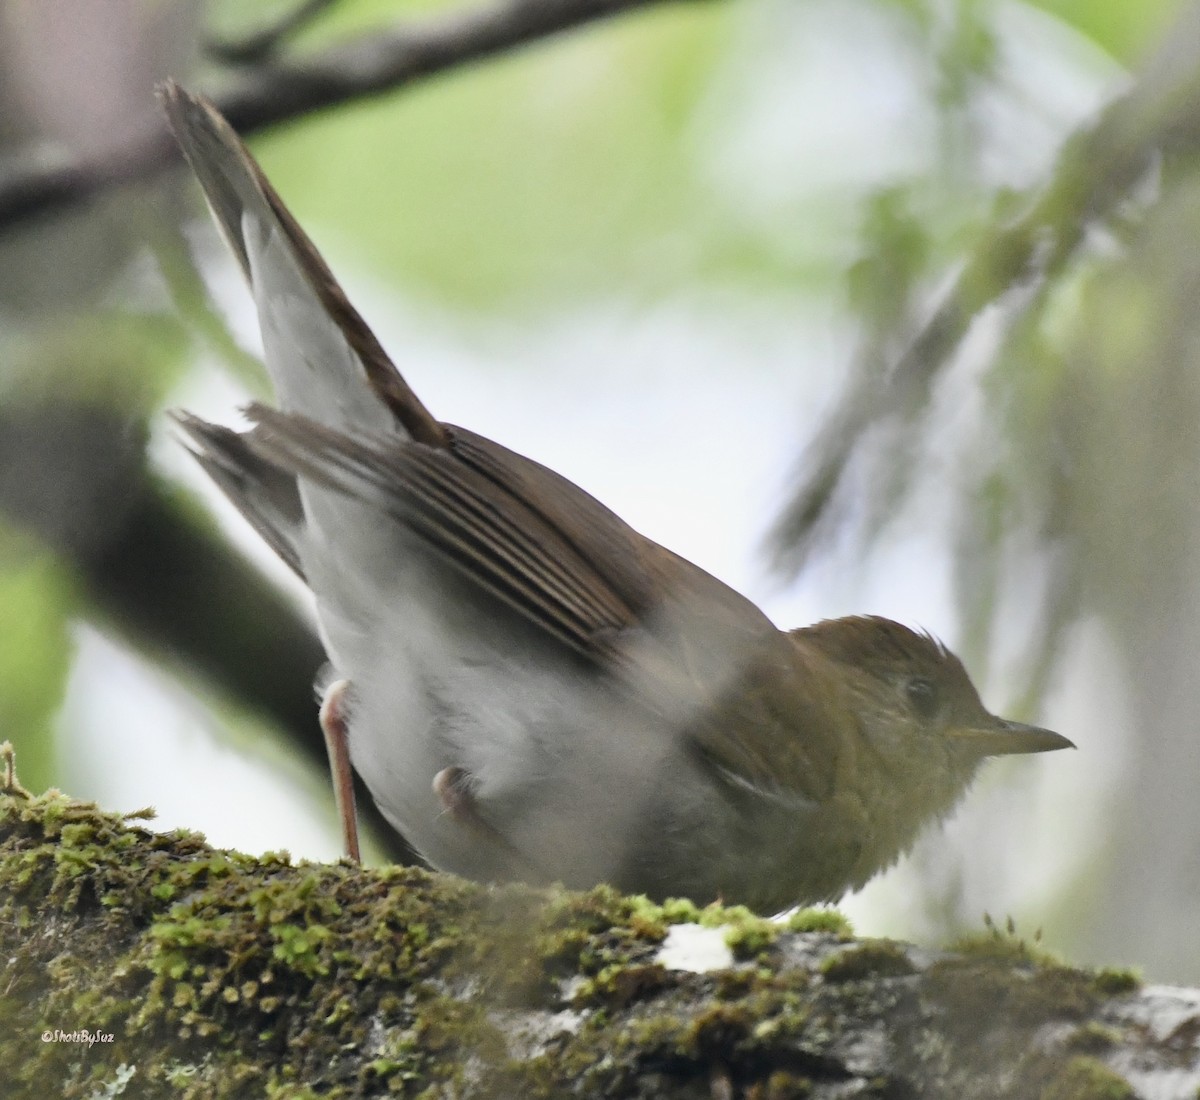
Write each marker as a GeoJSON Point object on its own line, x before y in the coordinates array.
{"type": "Point", "coordinates": [323, 359]}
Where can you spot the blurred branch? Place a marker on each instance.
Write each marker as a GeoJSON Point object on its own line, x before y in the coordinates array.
{"type": "Point", "coordinates": [283, 89]}
{"type": "Point", "coordinates": [256, 47]}
{"type": "Point", "coordinates": [180, 591]}
{"type": "Point", "coordinates": [157, 570]}
{"type": "Point", "coordinates": [1159, 116]}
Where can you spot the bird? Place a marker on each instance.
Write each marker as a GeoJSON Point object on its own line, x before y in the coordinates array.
{"type": "Point", "coordinates": [530, 689]}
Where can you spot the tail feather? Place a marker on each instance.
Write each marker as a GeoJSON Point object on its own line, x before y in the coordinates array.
{"type": "Point", "coordinates": [323, 359]}
{"type": "Point", "coordinates": [266, 495]}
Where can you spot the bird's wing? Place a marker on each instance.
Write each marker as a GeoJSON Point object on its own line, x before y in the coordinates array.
{"type": "Point", "coordinates": [490, 535]}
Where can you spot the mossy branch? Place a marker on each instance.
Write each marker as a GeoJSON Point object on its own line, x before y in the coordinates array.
{"type": "Point", "coordinates": [154, 963]}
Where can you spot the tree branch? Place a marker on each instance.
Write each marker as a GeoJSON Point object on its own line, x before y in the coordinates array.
{"type": "Point", "coordinates": [283, 89]}
{"type": "Point", "coordinates": [255, 47]}
{"type": "Point", "coordinates": [1097, 170]}
{"type": "Point", "coordinates": [131, 955]}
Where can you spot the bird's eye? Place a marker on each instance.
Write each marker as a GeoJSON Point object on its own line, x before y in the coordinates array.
{"type": "Point", "coordinates": [922, 694]}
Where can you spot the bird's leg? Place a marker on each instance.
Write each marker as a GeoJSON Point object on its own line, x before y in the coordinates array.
{"type": "Point", "coordinates": [333, 726]}
{"type": "Point", "coordinates": [453, 787]}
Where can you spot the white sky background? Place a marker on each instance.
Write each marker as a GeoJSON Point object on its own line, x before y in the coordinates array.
{"type": "Point", "coordinates": [686, 418]}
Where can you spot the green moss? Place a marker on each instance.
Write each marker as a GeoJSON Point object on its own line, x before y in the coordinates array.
{"type": "Point", "coordinates": [1093, 1038]}
{"type": "Point", "coordinates": [872, 959]}
{"type": "Point", "coordinates": [191, 945]}
{"type": "Point", "coordinates": [618, 985]}
{"type": "Point", "coordinates": [1004, 945]}
{"type": "Point", "coordinates": [782, 1085]}
{"type": "Point", "coordinates": [1115, 981]}
{"type": "Point", "coordinates": [228, 965]}
{"type": "Point", "coordinates": [1010, 974]}
{"type": "Point", "coordinates": [746, 933]}
{"type": "Point", "coordinates": [978, 987]}
{"type": "Point", "coordinates": [820, 920]}
{"type": "Point", "coordinates": [758, 1030]}
{"type": "Point", "coordinates": [1086, 1078]}
{"type": "Point", "coordinates": [231, 976]}
{"type": "Point", "coordinates": [680, 911]}
{"type": "Point", "coordinates": [747, 938]}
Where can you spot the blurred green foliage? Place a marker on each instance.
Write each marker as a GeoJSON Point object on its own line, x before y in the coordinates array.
{"type": "Point", "coordinates": [37, 601]}
{"type": "Point", "coordinates": [1124, 28]}
{"type": "Point", "coordinates": [551, 171]}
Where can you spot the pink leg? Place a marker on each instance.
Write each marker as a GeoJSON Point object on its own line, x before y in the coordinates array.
{"type": "Point", "coordinates": [333, 725]}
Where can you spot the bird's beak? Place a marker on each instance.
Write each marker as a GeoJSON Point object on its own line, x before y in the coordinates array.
{"type": "Point", "coordinates": [1005, 738]}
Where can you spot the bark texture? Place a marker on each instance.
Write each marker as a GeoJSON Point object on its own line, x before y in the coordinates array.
{"type": "Point", "coordinates": [152, 965]}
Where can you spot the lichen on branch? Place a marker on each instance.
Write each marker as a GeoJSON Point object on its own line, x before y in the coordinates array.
{"type": "Point", "coordinates": [160, 965]}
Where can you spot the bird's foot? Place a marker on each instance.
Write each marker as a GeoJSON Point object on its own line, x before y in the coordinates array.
{"type": "Point", "coordinates": [454, 787]}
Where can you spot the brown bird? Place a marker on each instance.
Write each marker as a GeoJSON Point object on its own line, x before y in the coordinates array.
{"type": "Point", "coordinates": [531, 689]}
